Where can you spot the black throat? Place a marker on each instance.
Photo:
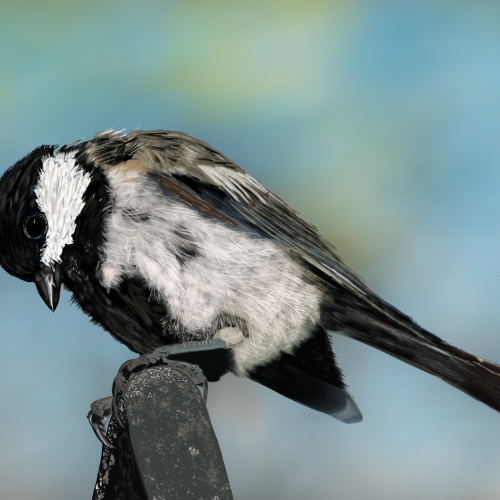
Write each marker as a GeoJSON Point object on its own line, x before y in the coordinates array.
{"type": "Point", "coordinates": [83, 255]}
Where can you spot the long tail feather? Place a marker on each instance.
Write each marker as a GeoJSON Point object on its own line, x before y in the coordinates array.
{"type": "Point", "coordinates": [475, 376]}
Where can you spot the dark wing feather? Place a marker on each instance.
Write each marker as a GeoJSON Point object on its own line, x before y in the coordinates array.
{"type": "Point", "coordinates": [196, 174]}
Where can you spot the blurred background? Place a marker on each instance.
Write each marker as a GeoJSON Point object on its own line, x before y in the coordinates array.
{"type": "Point", "coordinates": [378, 122]}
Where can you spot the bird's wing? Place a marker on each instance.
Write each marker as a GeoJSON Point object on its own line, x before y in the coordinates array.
{"type": "Point", "coordinates": [197, 175]}
{"type": "Point", "coordinates": [192, 172]}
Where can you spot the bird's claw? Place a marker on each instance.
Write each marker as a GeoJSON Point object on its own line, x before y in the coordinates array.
{"type": "Point", "coordinates": [99, 414]}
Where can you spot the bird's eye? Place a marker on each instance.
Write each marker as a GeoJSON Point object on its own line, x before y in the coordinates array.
{"type": "Point", "coordinates": [35, 226]}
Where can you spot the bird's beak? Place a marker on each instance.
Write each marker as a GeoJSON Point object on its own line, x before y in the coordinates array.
{"type": "Point", "coordinates": [48, 284]}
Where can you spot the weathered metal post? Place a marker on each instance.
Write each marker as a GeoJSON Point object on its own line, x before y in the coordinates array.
{"type": "Point", "coordinates": [168, 449]}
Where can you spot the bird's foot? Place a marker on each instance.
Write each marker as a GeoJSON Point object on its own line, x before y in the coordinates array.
{"type": "Point", "coordinates": [99, 414]}
{"type": "Point", "coordinates": [194, 372]}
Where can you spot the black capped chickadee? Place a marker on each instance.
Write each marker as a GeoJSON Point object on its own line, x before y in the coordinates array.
{"type": "Point", "coordinates": [164, 241]}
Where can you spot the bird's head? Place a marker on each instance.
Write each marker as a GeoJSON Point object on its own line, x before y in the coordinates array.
{"type": "Point", "coordinates": [42, 199]}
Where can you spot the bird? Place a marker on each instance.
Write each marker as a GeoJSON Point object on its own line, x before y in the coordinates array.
{"type": "Point", "coordinates": [164, 241]}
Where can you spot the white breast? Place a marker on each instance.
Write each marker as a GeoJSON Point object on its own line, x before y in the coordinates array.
{"type": "Point", "coordinates": [233, 272]}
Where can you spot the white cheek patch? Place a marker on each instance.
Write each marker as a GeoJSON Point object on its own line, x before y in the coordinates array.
{"type": "Point", "coordinates": [59, 193]}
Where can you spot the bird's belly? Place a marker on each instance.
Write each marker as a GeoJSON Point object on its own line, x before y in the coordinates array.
{"type": "Point", "coordinates": [202, 269]}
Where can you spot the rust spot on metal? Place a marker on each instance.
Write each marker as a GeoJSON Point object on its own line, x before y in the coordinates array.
{"type": "Point", "coordinates": [180, 192]}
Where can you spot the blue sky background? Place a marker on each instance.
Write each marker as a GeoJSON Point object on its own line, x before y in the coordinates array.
{"type": "Point", "coordinates": [377, 121]}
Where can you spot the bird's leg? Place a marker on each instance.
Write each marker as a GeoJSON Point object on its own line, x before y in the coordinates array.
{"type": "Point", "coordinates": [99, 414]}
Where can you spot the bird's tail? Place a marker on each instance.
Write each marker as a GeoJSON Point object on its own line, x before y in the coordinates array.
{"type": "Point", "coordinates": [380, 325]}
